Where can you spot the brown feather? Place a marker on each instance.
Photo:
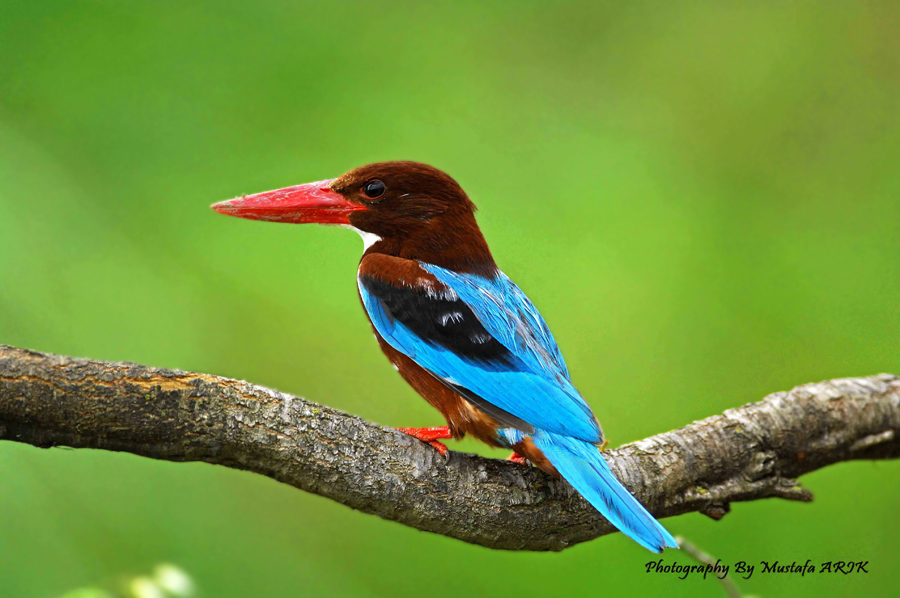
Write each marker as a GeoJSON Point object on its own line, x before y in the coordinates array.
{"type": "Point", "coordinates": [423, 215]}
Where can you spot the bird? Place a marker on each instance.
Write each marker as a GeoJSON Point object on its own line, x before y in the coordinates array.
{"type": "Point", "coordinates": [457, 329]}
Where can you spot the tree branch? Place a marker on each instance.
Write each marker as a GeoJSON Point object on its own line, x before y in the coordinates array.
{"type": "Point", "coordinates": [751, 452]}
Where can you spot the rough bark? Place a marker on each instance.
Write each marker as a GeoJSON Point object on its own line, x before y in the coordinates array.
{"type": "Point", "coordinates": [751, 452]}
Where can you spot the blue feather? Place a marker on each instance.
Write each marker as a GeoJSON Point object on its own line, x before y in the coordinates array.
{"type": "Point", "coordinates": [529, 380]}
{"type": "Point", "coordinates": [509, 315]}
{"type": "Point", "coordinates": [524, 385]}
{"type": "Point", "coordinates": [582, 465]}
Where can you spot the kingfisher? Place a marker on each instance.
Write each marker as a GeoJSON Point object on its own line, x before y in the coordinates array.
{"type": "Point", "coordinates": [458, 330]}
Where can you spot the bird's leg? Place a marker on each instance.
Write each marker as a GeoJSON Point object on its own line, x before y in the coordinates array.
{"type": "Point", "coordinates": [517, 458]}
{"type": "Point", "coordinates": [431, 436]}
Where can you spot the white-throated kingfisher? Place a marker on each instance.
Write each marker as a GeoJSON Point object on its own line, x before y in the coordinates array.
{"type": "Point", "coordinates": [460, 332]}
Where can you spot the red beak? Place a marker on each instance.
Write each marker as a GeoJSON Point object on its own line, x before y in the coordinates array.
{"type": "Point", "coordinates": [312, 202]}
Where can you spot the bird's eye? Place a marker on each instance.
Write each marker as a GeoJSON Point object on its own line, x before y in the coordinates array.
{"type": "Point", "coordinates": [374, 189]}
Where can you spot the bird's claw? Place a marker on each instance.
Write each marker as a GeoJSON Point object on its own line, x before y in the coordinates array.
{"type": "Point", "coordinates": [517, 458]}
{"type": "Point", "coordinates": [440, 447]}
{"type": "Point", "coordinates": [431, 436]}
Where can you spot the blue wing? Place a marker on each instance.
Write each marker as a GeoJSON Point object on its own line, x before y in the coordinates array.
{"type": "Point", "coordinates": [509, 315]}
{"type": "Point", "coordinates": [485, 337]}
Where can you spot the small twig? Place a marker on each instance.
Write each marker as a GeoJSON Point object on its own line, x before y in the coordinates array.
{"type": "Point", "coordinates": [698, 555]}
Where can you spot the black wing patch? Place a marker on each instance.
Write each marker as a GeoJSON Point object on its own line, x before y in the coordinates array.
{"type": "Point", "coordinates": [447, 321]}
{"type": "Point", "coordinates": [442, 319]}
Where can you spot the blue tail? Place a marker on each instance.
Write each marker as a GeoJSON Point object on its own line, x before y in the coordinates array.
{"type": "Point", "coordinates": [583, 466]}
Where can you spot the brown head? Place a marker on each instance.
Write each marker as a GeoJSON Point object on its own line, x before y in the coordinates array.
{"type": "Point", "coordinates": [403, 209]}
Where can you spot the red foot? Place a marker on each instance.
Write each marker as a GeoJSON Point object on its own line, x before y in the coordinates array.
{"type": "Point", "coordinates": [517, 458]}
{"type": "Point", "coordinates": [430, 435]}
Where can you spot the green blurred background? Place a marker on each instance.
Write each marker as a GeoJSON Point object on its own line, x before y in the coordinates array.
{"type": "Point", "coordinates": [702, 198]}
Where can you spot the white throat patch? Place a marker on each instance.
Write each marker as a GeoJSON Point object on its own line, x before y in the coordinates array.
{"type": "Point", "coordinates": [369, 239]}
